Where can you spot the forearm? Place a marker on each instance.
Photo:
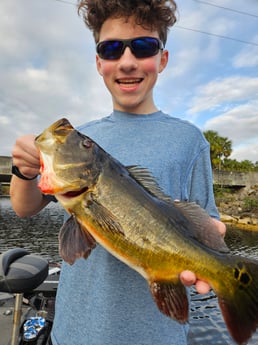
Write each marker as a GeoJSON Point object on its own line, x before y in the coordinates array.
{"type": "Point", "coordinates": [26, 198]}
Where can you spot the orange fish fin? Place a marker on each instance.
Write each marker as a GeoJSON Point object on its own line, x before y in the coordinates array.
{"type": "Point", "coordinates": [75, 241]}
{"type": "Point", "coordinates": [171, 299]}
{"type": "Point", "coordinates": [240, 307]}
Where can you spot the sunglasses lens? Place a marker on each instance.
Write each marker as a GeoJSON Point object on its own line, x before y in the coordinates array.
{"type": "Point", "coordinates": [110, 50]}
{"type": "Point", "coordinates": [141, 47]}
{"type": "Point", "coordinates": [145, 47]}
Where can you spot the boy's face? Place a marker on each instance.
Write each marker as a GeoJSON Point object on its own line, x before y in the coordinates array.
{"type": "Point", "coordinates": [130, 80]}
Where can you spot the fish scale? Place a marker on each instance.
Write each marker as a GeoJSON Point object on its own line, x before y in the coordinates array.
{"type": "Point", "coordinates": [124, 210]}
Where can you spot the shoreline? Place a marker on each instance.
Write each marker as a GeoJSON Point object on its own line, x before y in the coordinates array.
{"type": "Point", "coordinates": [246, 223]}
{"type": "Point", "coordinates": [249, 222]}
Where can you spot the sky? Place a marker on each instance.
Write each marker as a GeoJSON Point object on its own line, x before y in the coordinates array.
{"type": "Point", "coordinates": [47, 70]}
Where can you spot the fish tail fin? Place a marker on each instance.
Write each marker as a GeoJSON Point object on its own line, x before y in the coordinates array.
{"type": "Point", "coordinates": [239, 304]}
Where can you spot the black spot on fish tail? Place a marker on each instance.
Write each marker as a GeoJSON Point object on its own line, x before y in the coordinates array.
{"type": "Point", "coordinates": [74, 241]}
{"type": "Point", "coordinates": [171, 299]}
{"type": "Point", "coordinates": [239, 306]}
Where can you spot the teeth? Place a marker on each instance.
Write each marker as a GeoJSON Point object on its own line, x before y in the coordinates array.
{"type": "Point", "coordinates": [132, 81]}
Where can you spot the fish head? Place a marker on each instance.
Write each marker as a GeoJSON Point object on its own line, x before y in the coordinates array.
{"type": "Point", "coordinates": [68, 160]}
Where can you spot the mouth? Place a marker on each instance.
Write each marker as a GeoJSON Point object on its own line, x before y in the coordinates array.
{"type": "Point", "coordinates": [73, 194]}
{"type": "Point", "coordinates": [129, 82]}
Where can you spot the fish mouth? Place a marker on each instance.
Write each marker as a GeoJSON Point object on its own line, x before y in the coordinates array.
{"type": "Point", "coordinates": [74, 193]}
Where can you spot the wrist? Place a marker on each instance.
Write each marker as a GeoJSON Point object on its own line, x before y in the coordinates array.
{"type": "Point", "coordinates": [16, 172]}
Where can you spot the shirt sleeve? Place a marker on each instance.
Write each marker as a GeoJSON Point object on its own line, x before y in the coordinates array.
{"type": "Point", "coordinates": [200, 183]}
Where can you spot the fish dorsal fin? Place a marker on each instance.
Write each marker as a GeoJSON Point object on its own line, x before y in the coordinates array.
{"type": "Point", "coordinates": [147, 180]}
{"type": "Point", "coordinates": [198, 224]}
{"type": "Point", "coordinates": [201, 226]}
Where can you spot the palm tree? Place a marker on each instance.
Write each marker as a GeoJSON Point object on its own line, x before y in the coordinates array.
{"type": "Point", "coordinates": [220, 148]}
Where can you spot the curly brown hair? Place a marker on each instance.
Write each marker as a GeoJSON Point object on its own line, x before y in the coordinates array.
{"type": "Point", "coordinates": [150, 14]}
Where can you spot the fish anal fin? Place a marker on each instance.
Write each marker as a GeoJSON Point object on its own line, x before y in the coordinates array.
{"type": "Point", "coordinates": [74, 241]}
{"type": "Point", "coordinates": [240, 307]}
{"type": "Point", "coordinates": [171, 299]}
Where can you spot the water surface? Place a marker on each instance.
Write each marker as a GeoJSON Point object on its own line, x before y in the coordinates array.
{"type": "Point", "coordinates": [38, 234]}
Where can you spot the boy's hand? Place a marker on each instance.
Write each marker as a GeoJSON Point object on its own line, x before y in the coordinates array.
{"type": "Point", "coordinates": [25, 156]}
{"type": "Point", "coordinates": [188, 278]}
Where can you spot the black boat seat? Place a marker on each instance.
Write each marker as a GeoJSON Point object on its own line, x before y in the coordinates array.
{"type": "Point", "coordinates": [20, 271]}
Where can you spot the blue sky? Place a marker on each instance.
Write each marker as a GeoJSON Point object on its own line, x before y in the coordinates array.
{"type": "Point", "coordinates": [47, 70]}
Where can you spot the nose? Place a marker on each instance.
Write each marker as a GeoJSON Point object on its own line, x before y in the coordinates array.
{"type": "Point", "coordinates": [128, 61]}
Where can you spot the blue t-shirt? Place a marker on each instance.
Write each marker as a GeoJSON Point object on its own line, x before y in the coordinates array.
{"type": "Point", "coordinates": [101, 301]}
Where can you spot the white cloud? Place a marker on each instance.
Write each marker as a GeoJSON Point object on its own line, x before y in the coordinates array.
{"type": "Point", "coordinates": [248, 57]}
{"type": "Point", "coordinates": [246, 151]}
{"type": "Point", "coordinates": [240, 125]}
{"type": "Point", "coordinates": [224, 90]}
{"type": "Point", "coordinates": [4, 120]}
{"type": "Point", "coordinates": [47, 68]}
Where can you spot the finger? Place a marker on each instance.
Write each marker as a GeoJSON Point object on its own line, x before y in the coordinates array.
{"type": "Point", "coordinates": [25, 153]}
{"type": "Point", "coordinates": [202, 287]}
{"type": "Point", "coordinates": [220, 226]}
{"type": "Point", "coordinates": [25, 160]}
{"type": "Point", "coordinates": [187, 278]}
{"type": "Point", "coordinates": [27, 144]}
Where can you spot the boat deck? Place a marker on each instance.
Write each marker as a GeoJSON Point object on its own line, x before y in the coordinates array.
{"type": "Point", "coordinates": [6, 316]}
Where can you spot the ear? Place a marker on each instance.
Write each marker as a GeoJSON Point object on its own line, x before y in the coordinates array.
{"type": "Point", "coordinates": [163, 60]}
{"type": "Point", "coordinates": [99, 65]}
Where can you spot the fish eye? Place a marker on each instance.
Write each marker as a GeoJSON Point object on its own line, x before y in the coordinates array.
{"type": "Point", "coordinates": [87, 143]}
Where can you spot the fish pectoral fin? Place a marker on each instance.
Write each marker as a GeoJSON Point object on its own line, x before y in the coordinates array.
{"type": "Point", "coordinates": [75, 241]}
{"type": "Point", "coordinates": [104, 218]}
{"type": "Point", "coordinates": [171, 299]}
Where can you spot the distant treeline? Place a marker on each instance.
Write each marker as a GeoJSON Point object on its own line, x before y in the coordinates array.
{"type": "Point", "coordinates": [221, 149]}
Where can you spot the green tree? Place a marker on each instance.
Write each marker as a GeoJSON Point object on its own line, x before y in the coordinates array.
{"type": "Point", "coordinates": [234, 165]}
{"type": "Point", "coordinates": [220, 148]}
{"type": "Point", "coordinates": [246, 165]}
{"type": "Point", "coordinates": [230, 164]}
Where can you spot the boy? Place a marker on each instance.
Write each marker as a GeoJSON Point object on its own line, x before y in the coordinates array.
{"type": "Point", "coordinates": [101, 301]}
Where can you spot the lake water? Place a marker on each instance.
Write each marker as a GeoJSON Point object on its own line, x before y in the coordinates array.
{"type": "Point", "coordinates": [38, 234]}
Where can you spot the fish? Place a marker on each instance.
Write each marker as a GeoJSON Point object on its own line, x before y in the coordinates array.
{"type": "Point", "coordinates": [124, 210]}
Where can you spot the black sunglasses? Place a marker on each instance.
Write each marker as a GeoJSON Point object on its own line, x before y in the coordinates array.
{"type": "Point", "coordinates": [141, 47]}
